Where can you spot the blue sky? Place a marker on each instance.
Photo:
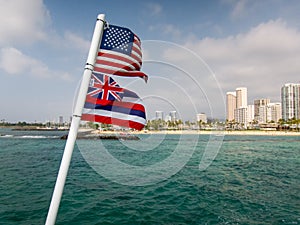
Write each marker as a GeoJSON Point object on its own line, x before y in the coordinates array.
{"type": "Point", "coordinates": [194, 52]}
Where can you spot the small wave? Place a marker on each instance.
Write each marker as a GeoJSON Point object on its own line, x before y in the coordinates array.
{"type": "Point", "coordinates": [37, 136]}
{"type": "Point", "coordinates": [6, 136]}
{"type": "Point", "coordinates": [28, 136]}
{"type": "Point", "coordinates": [32, 136]}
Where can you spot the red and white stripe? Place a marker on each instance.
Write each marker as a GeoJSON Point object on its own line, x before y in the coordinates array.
{"type": "Point", "coordinates": [116, 63]}
{"type": "Point", "coordinates": [109, 117]}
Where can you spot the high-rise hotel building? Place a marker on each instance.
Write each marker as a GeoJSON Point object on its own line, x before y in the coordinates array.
{"type": "Point", "coordinates": [241, 97]}
{"type": "Point", "coordinates": [159, 115]}
{"type": "Point", "coordinates": [290, 100]}
{"type": "Point", "coordinates": [241, 111]}
{"type": "Point", "coordinates": [237, 106]}
{"type": "Point", "coordinates": [230, 105]}
{"type": "Point", "coordinates": [259, 106]}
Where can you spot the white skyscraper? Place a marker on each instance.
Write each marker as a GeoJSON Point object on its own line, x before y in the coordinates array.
{"type": "Point", "coordinates": [201, 117]}
{"type": "Point", "coordinates": [230, 105]}
{"type": "Point", "coordinates": [257, 104]}
{"type": "Point", "coordinates": [159, 115]}
{"type": "Point", "coordinates": [60, 120]}
{"type": "Point", "coordinates": [173, 116]}
{"type": "Point", "coordinates": [290, 100]}
{"type": "Point", "coordinates": [273, 112]}
{"type": "Point", "coordinates": [250, 113]}
{"type": "Point", "coordinates": [237, 107]}
{"type": "Point", "coordinates": [240, 113]}
{"type": "Point", "coordinates": [241, 116]}
{"type": "Point", "coordinates": [241, 97]}
{"type": "Point", "coordinates": [262, 114]}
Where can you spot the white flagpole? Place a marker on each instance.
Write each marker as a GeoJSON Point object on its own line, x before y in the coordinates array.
{"type": "Point", "coordinates": [66, 159]}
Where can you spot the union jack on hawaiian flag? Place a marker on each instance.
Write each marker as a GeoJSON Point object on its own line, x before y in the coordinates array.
{"type": "Point", "coordinates": [106, 102]}
{"type": "Point", "coordinates": [105, 88]}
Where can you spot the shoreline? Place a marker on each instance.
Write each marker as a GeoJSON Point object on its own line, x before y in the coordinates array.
{"type": "Point", "coordinates": [217, 133]}
{"type": "Point", "coordinates": [179, 132]}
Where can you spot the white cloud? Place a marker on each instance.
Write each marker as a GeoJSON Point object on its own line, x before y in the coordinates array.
{"type": "Point", "coordinates": [262, 59]}
{"type": "Point", "coordinates": [75, 41]}
{"type": "Point", "coordinates": [180, 77]}
{"type": "Point", "coordinates": [171, 30]}
{"type": "Point", "coordinates": [22, 21]}
{"type": "Point", "coordinates": [239, 9]}
{"type": "Point", "coordinates": [14, 62]}
{"type": "Point", "coordinates": [167, 29]}
{"type": "Point", "coordinates": [154, 9]}
{"type": "Point", "coordinates": [23, 24]}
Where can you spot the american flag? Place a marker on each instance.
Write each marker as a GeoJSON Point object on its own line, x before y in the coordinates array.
{"type": "Point", "coordinates": [120, 53]}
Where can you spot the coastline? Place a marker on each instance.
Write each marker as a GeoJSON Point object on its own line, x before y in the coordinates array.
{"type": "Point", "coordinates": [178, 132]}
{"type": "Point", "coordinates": [202, 132]}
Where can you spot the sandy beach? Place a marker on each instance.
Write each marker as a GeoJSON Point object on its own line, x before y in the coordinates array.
{"type": "Point", "coordinates": [200, 132]}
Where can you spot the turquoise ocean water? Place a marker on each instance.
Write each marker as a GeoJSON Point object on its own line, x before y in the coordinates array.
{"type": "Point", "coordinates": [253, 180]}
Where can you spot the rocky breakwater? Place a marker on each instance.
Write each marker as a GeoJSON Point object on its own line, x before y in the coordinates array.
{"type": "Point", "coordinates": [95, 136]}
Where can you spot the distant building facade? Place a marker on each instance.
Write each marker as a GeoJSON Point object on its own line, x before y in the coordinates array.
{"type": "Point", "coordinates": [250, 113]}
{"type": "Point", "coordinates": [61, 120]}
{"type": "Point", "coordinates": [261, 117]}
{"type": "Point", "coordinates": [241, 116]}
{"type": "Point", "coordinates": [173, 116]}
{"type": "Point", "coordinates": [237, 106]}
{"type": "Point", "coordinates": [257, 104]}
{"type": "Point", "coordinates": [241, 97]}
{"type": "Point", "coordinates": [290, 100]}
{"type": "Point", "coordinates": [201, 117]}
{"type": "Point", "coordinates": [274, 112]}
{"type": "Point", "coordinates": [159, 115]}
{"type": "Point", "coordinates": [240, 113]}
{"type": "Point", "coordinates": [230, 105]}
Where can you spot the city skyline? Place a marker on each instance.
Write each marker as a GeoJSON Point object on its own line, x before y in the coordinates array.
{"type": "Point", "coordinates": [160, 114]}
{"type": "Point", "coordinates": [192, 53]}
{"type": "Point", "coordinates": [263, 111]}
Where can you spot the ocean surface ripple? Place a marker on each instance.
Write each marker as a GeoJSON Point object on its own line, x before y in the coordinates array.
{"type": "Point", "coordinates": [253, 180]}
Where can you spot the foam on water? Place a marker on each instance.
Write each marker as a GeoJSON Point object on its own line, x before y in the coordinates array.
{"type": "Point", "coordinates": [35, 136]}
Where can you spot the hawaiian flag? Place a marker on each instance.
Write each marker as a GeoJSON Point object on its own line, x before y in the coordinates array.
{"type": "Point", "coordinates": [120, 53]}
{"type": "Point", "coordinates": [106, 102]}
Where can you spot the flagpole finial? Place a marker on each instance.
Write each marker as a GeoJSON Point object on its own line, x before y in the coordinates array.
{"type": "Point", "coordinates": [101, 18]}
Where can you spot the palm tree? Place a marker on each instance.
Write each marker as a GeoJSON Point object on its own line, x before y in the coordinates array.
{"type": "Point", "coordinates": [297, 123]}
{"type": "Point", "coordinates": [179, 124]}
{"type": "Point", "coordinates": [188, 124]}
{"type": "Point", "coordinates": [200, 124]}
